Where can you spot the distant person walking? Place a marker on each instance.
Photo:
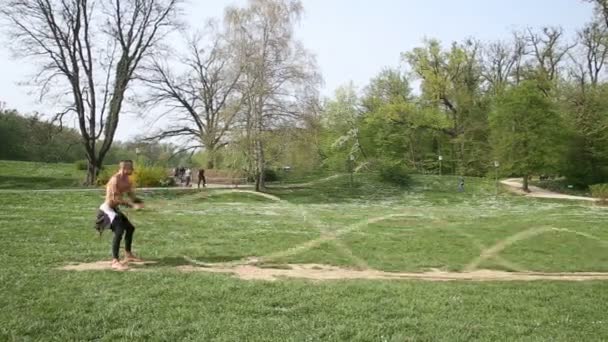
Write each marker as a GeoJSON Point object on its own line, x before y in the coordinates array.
{"type": "Point", "coordinates": [201, 178]}
{"type": "Point", "coordinates": [188, 176]}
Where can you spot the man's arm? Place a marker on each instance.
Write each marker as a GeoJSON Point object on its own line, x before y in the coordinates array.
{"type": "Point", "coordinates": [135, 201]}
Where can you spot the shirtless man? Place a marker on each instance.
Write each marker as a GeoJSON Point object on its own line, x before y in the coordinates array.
{"type": "Point", "coordinates": [110, 215]}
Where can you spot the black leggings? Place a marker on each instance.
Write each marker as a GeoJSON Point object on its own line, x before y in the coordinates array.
{"type": "Point", "coordinates": [121, 225]}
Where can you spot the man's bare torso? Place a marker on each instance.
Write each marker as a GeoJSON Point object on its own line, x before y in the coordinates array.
{"type": "Point", "coordinates": [117, 186]}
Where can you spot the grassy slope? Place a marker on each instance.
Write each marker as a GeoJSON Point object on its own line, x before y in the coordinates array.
{"type": "Point", "coordinates": [442, 229]}
{"type": "Point", "coordinates": [31, 175]}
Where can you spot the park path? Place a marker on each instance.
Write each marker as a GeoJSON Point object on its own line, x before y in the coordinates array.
{"type": "Point", "coordinates": [515, 185]}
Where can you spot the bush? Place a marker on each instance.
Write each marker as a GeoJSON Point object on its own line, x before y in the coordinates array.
{"type": "Point", "coordinates": [395, 174]}
{"type": "Point", "coordinates": [104, 176]}
{"type": "Point", "coordinates": [81, 165]}
{"type": "Point", "coordinates": [270, 175]}
{"type": "Point", "coordinates": [600, 191]}
{"type": "Point", "coordinates": [168, 181]}
{"type": "Point", "coordinates": [148, 176]}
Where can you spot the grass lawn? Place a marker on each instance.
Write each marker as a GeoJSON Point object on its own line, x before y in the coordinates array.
{"type": "Point", "coordinates": [32, 175]}
{"type": "Point", "coordinates": [372, 225]}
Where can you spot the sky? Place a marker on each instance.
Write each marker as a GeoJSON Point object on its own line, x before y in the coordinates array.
{"type": "Point", "coordinates": [352, 40]}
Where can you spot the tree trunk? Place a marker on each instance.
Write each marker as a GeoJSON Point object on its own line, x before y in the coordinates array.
{"type": "Point", "coordinates": [211, 159]}
{"type": "Point", "coordinates": [93, 168]}
{"type": "Point", "coordinates": [259, 166]}
{"type": "Point", "coordinates": [525, 185]}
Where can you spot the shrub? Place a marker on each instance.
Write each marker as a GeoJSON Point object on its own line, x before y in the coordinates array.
{"type": "Point", "coordinates": [104, 176]}
{"type": "Point", "coordinates": [600, 191]}
{"type": "Point", "coordinates": [81, 165]}
{"type": "Point", "coordinates": [395, 174]}
{"type": "Point", "coordinates": [145, 176]}
{"type": "Point", "coordinates": [270, 175]}
{"type": "Point", "coordinates": [168, 181]}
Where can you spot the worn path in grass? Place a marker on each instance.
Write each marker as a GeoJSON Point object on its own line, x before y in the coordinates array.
{"type": "Point", "coordinates": [515, 185]}
{"type": "Point", "coordinates": [326, 272]}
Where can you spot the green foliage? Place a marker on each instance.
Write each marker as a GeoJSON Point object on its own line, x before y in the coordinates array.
{"type": "Point", "coordinates": [30, 138]}
{"type": "Point", "coordinates": [587, 152]}
{"type": "Point", "coordinates": [600, 191]}
{"type": "Point", "coordinates": [396, 174]}
{"type": "Point", "coordinates": [81, 164]}
{"type": "Point", "coordinates": [527, 131]}
{"type": "Point", "coordinates": [149, 176]}
{"type": "Point", "coordinates": [271, 175]}
{"type": "Point", "coordinates": [340, 138]}
{"type": "Point", "coordinates": [105, 174]}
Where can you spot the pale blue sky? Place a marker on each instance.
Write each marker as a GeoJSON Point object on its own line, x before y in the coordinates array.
{"type": "Point", "coordinates": [355, 39]}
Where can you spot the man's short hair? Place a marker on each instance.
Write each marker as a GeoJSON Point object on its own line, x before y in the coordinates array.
{"type": "Point", "coordinates": [125, 161]}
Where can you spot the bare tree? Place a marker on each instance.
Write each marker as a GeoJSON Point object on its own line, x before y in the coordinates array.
{"type": "Point", "coordinates": [204, 100]}
{"type": "Point", "coordinates": [499, 59]}
{"type": "Point", "coordinates": [593, 40]}
{"type": "Point", "coordinates": [601, 9]}
{"type": "Point", "coordinates": [548, 51]}
{"type": "Point", "coordinates": [91, 51]}
{"type": "Point", "coordinates": [276, 69]}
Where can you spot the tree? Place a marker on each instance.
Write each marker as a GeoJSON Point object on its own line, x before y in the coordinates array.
{"type": "Point", "coordinates": [91, 51]}
{"type": "Point", "coordinates": [526, 131]}
{"type": "Point", "coordinates": [548, 53]}
{"type": "Point", "coordinates": [451, 84]}
{"type": "Point", "coordinates": [396, 129]}
{"type": "Point", "coordinates": [341, 121]}
{"type": "Point", "coordinates": [32, 138]}
{"type": "Point", "coordinates": [278, 72]}
{"type": "Point", "coordinates": [204, 100]}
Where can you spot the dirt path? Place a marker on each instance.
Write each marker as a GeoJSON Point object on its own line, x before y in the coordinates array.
{"type": "Point", "coordinates": [326, 273]}
{"type": "Point", "coordinates": [515, 185]}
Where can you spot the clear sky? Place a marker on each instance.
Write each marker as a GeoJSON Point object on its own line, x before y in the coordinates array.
{"type": "Point", "coordinates": [354, 39]}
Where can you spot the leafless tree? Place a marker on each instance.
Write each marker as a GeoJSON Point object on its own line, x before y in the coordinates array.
{"type": "Point", "coordinates": [204, 100]}
{"type": "Point", "coordinates": [276, 69]}
{"type": "Point", "coordinates": [548, 50]}
{"type": "Point", "coordinates": [590, 58]}
{"type": "Point", "coordinates": [91, 51]}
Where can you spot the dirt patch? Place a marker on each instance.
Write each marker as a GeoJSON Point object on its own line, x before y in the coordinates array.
{"type": "Point", "coordinates": [327, 273]}
{"type": "Point", "coordinates": [103, 265]}
{"type": "Point", "coordinates": [324, 272]}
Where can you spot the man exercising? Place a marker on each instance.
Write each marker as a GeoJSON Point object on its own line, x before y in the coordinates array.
{"type": "Point", "coordinates": [110, 215]}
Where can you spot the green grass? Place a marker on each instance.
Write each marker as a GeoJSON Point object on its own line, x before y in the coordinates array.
{"type": "Point", "coordinates": [32, 175]}
{"type": "Point", "coordinates": [437, 228]}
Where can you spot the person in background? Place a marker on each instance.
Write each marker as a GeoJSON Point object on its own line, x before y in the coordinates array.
{"type": "Point", "coordinates": [201, 178]}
